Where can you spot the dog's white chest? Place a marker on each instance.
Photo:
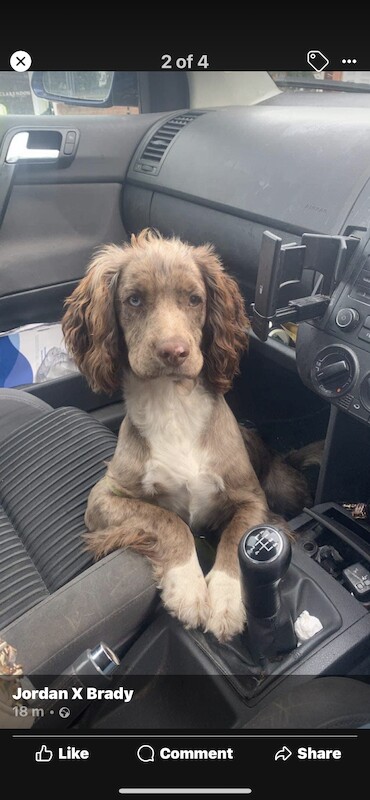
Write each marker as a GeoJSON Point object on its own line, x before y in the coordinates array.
{"type": "Point", "coordinates": [178, 472]}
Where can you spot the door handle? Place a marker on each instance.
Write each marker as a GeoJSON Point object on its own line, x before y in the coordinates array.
{"type": "Point", "coordinates": [18, 151]}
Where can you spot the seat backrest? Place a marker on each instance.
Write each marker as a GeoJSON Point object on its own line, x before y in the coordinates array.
{"type": "Point", "coordinates": [47, 469]}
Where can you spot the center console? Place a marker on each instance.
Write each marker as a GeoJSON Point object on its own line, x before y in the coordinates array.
{"type": "Point", "coordinates": [187, 679]}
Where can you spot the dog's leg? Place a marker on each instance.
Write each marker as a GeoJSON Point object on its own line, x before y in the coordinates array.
{"type": "Point", "coordinates": [162, 537]}
{"type": "Point", "coordinates": [227, 612]}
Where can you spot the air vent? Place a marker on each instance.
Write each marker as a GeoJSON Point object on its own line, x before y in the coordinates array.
{"type": "Point", "coordinates": [155, 150]}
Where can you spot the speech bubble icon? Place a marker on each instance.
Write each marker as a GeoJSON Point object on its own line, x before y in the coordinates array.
{"type": "Point", "coordinates": [317, 60]}
{"type": "Point", "coordinates": [145, 753]}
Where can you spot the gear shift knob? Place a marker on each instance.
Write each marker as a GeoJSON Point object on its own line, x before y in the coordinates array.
{"type": "Point", "coordinates": [264, 556]}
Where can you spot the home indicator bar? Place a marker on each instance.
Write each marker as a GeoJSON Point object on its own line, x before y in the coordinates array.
{"type": "Point", "coordinates": [185, 791]}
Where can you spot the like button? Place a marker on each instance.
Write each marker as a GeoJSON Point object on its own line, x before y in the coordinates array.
{"type": "Point", "coordinates": [44, 754]}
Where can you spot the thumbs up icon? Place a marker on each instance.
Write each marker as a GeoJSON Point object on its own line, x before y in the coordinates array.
{"type": "Point", "coordinates": [44, 754]}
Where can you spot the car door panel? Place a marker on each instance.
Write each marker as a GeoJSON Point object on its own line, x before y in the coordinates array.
{"type": "Point", "coordinates": [54, 215]}
{"type": "Point", "coordinates": [105, 147]}
{"type": "Point", "coordinates": [47, 237]}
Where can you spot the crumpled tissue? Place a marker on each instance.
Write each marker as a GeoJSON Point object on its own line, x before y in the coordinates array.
{"type": "Point", "coordinates": [305, 626]}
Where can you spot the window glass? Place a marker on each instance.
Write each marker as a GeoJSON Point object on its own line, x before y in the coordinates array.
{"type": "Point", "coordinates": [347, 80]}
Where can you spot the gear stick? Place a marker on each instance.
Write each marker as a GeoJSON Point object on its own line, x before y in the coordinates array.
{"type": "Point", "coordinates": [264, 556]}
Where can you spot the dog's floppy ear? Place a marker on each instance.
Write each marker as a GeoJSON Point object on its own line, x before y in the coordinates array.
{"type": "Point", "coordinates": [90, 326]}
{"type": "Point", "coordinates": [225, 334]}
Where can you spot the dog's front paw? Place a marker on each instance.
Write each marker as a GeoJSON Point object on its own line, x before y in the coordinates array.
{"type": "Point", "coordinates": [185, 594]}
{"type": "Point", "coordinates": [227, 615]}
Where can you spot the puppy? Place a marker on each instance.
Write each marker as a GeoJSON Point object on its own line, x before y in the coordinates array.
{"type": "Point", "coordinates": [165, 323]}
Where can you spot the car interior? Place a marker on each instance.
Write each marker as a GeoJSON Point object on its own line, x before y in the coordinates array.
{"type": "Point", "coordinates": [278, 180]}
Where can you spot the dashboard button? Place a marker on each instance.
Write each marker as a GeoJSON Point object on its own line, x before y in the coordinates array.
{"type": "Point", "coordinates": [364, 335]}
{"type": "Point", "coordinates": [347, 318]}
{"type": "Point", "coordinates": [367, 322]}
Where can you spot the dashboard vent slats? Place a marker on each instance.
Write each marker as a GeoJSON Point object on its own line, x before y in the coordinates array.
{"type": "Point", "coordinates": [150, 160]}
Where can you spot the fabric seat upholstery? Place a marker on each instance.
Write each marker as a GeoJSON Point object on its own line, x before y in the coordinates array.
{"type": "Point", "coordinates": [48, 466]}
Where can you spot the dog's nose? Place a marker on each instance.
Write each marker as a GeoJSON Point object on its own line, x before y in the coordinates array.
{"type": "Point", "coordinates": [173, 351]}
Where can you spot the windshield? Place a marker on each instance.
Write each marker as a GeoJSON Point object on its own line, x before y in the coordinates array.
{"type": "Point", "coordinates": [346, 80]}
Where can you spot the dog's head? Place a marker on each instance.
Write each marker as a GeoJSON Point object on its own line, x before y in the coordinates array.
{"type": "Point", "coordinates": [162, 307]}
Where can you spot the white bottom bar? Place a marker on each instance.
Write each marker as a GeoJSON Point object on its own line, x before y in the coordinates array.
{"type": "Point", "coordinates": [185, 791]}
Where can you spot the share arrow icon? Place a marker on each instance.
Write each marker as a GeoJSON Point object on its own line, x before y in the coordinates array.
{"type": "Point", "coordinates": [284, 754]}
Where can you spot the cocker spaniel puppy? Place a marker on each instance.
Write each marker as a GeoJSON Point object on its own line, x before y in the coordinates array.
{"type": "Point", "coordinates": [163, 321]}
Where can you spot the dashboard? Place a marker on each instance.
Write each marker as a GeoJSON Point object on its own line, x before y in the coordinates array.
{"type": "Point", "coordinates": [228, 175]}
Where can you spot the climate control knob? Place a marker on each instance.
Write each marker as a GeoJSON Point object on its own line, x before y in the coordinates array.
{"type": "Point", "coordinates": [334, 371]}
{"type": "Point", "coordinates": [347, 319]}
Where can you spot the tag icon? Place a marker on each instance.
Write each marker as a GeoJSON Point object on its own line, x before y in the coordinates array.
{"type": "Point", "coordinates": [317, 60]}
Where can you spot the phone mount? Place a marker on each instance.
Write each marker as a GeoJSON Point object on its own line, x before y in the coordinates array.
{"type": "Point", "coordinates": [282, 265]}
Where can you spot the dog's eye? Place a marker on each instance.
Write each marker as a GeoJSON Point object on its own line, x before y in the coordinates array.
{"type": "Point", "coordinates": [195, 300]}
{"type": "Point", "coordinates": [134, 300]}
